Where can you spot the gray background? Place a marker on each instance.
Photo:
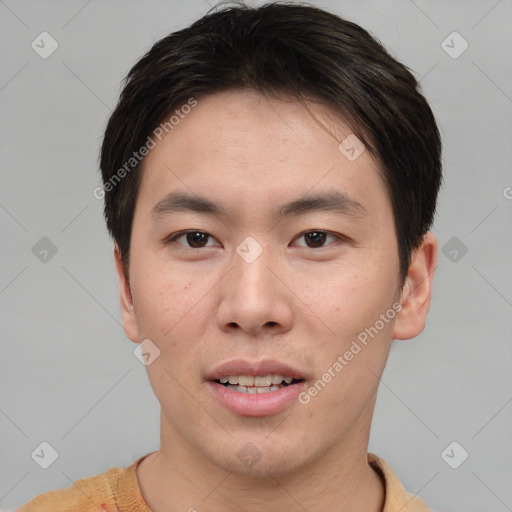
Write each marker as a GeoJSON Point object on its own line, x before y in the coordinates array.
{"type": "Point", "coordinates": [68, 373]}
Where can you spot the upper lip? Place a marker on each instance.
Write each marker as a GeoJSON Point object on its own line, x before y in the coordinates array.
{"type": "Point", "coordinates": [254, 368]}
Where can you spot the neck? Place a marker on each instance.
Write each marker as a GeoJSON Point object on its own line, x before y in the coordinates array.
{"type": "Point", "coordinates": [340, 479]}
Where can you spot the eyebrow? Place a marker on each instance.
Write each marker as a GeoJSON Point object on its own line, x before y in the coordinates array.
{"type": "Point", "coordinates": [330, 200]}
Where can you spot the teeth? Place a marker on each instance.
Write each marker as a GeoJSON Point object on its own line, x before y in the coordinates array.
{"type": "Point", "coordinates": [265, 380]}
{"type": "Point", "coordinates": [259, 381]}
{"type": "Point", "coordinates": [244, 380]}
{"type": "Point", "coordinates": [254, 389]}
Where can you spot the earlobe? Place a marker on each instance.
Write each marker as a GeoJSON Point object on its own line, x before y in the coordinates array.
{"type": "Point", "coordinates": [126, 299]}
{"type": "Point", "coordinates": [417, 290]}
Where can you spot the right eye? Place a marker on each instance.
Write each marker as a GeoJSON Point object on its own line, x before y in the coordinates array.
{"type": "Point", "coordinates": [195, 239]}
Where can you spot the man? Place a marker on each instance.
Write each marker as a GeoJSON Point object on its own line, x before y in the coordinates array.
{"type": "Point", "coordinates": [270, 177]}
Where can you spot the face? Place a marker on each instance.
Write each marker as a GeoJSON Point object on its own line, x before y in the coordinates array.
{"type": "Point", "coordinates": [240, 286]}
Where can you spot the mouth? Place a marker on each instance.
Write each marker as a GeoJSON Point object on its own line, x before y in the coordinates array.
{"type": "Point", "coordinates": [255, 388]}
{"type": "Point", "coordinates": [253, 385]}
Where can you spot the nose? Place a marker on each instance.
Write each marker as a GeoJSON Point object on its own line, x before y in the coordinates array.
{"type": "Point", "coordinates": [254, 299]}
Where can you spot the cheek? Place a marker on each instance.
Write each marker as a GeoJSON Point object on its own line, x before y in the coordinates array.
{"type": "Point", "coordinates": [350, 298]}
{"type": "Point", "coordinates": [166, 301]}
{"type": "Point", "coordinates": [170, 316]}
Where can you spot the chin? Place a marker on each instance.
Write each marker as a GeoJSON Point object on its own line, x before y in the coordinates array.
{"type": "Point", "coordinates": [264, 462]}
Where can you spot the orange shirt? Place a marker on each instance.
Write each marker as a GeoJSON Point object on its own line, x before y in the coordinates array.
{"type": "Point", "coordinates": [117, 490]}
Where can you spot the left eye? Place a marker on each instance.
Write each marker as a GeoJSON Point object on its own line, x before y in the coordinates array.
{"type": "Point", "coordinates": [317, 238]}
{"type": "Point", "coordinates": [198, 239]}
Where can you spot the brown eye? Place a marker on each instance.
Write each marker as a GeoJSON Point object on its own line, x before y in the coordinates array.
{"type": "Point", "coordinates": [316, 239]}
{"type": "Point", "coordinates": [194, 239]}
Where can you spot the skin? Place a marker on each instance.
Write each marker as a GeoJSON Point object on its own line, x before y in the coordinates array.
{"type": "Point", "coordinates": [203, 306]}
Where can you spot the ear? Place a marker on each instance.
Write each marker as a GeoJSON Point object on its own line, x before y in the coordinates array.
{"type": "Point", "coordinates": [127, 310]}
{"type": "Point", "coordinates": [417, 290]}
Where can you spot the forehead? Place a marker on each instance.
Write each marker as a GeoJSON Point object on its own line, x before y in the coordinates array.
{"type": "Point", "coordinates": [258, 149]}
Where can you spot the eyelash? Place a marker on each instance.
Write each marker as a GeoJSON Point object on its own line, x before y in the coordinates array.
{"type": "Point", "coordinates": [173, 238]}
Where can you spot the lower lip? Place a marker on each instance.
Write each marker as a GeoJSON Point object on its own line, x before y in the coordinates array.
{"type": "Point", "coordinates": [259, 404]}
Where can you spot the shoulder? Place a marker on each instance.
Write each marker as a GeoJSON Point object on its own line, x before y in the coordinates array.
{"type": "Point", "coordinates": [99, 493]}
{"type": "Point", "coordinates": [397, 498]}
